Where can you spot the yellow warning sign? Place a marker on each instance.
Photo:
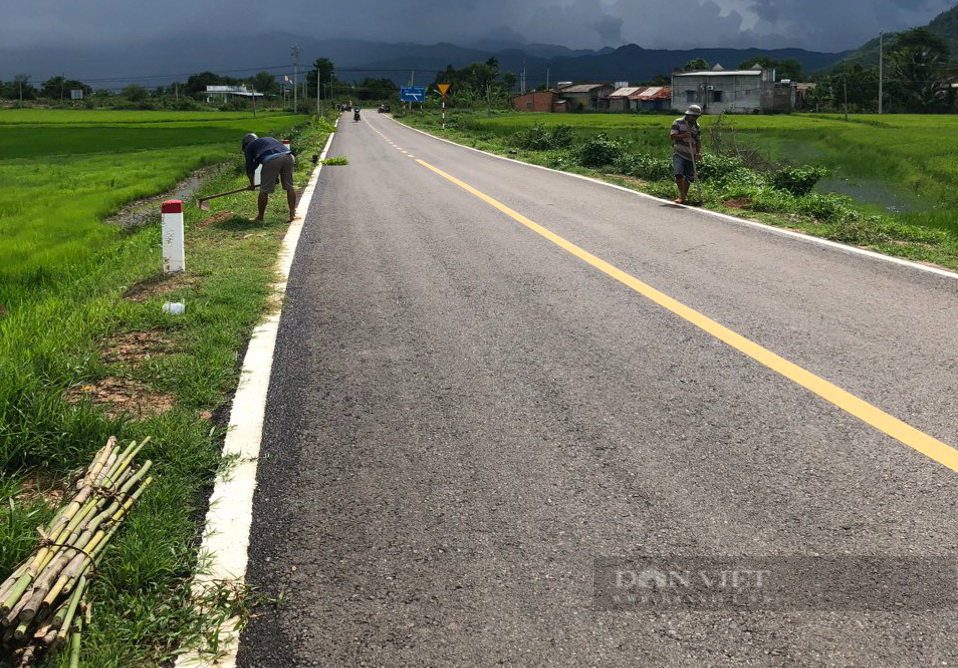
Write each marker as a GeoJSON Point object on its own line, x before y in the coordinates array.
{"type": "Point", "coordinates": [442, 88]}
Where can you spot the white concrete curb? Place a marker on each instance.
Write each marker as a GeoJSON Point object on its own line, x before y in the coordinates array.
{"type": "Point", "coordinates": [226, 535]}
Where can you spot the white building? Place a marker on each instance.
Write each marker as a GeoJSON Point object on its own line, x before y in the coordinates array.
{"type": "Point", "coordinates": [737, 91]}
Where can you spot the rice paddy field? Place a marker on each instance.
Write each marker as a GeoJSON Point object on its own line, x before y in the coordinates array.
{"type": "Point", "coordinates": [87, 351]}
{"type": "Point", "coordinates": [906, 165]}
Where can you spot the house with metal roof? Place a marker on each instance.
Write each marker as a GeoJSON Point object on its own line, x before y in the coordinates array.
{"type": "Point", "coordinates": [619, 98]}
{"type": "Point", "coordinates": [736, 91]}
{"type": "Point", "coordinates": [586, 96]}
{"type": "Point", "coordinates": [650, 98]}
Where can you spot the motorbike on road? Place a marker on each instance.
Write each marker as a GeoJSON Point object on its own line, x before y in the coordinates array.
{"type": "Point", "coordinates": [355, 115]}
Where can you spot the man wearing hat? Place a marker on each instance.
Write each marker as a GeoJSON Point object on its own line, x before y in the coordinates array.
{"type": "Point", "coordinates": [686, 148]}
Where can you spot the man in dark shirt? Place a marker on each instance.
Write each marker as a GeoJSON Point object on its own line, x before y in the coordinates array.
{"type": "Point", "coordinates": [277, 162]}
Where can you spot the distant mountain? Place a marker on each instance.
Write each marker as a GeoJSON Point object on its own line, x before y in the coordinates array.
{"type": "Point", "coordinates": [627, 63]}
{"type": "Point", "coordinates": [160, 63]}
{"type": "Point", "coordinates": [945, 25]}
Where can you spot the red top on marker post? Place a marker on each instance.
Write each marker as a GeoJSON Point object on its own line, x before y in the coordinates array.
{"type": "Point", "coordinates": [172, 206]}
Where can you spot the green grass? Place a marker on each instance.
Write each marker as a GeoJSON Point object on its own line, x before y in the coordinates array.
{"type": "Point", "coordinates": [896, 176]}
{"type": "Point", "coordinates": [72, 283]}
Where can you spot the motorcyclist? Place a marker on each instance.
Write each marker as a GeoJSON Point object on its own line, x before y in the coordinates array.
{"type": "Point", "coordinates": [355, 113]}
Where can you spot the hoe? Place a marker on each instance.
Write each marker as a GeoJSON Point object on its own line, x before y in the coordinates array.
{"type": "Point", "coordinates": [204, 204]}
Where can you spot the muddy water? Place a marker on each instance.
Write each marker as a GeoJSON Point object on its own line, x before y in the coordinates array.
{"type": "Point", "coordinates": [876, 194]}
{"type": "Point", "coordinates": [147, 211]}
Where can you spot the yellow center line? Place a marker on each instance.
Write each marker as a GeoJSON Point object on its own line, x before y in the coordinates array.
{"type": "Point", "coordinates": [864, 411]}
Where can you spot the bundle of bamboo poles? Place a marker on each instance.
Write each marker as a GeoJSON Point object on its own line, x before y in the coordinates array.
{"type": "Point", "coordinates": [42, 602]}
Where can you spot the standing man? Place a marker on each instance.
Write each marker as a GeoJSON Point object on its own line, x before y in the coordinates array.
{"type": "Point", "coordinates": [277, 162]}
{"type": "Point", "coordinates": [686, 148]}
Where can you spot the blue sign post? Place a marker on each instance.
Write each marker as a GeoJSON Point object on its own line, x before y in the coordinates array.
{"type": "Point", "coordinates": [412, 94]}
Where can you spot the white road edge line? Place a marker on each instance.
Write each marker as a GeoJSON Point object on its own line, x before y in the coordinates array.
{"type": "Point", "coordinates": [224, 553]}
{"type": "Point", "coordinates": [807, 238]}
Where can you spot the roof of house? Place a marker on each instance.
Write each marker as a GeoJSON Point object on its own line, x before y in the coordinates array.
{"type": "Point", "coordinates": [723, 73]}
{"type": "Point", "coordinates": [652, 93]}
{"type": "Point", "coordinates": [583, 88]}
{"type": "Point", "coordinates": [625, 92]}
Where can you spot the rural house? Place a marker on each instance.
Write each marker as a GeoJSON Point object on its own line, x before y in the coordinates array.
{"type": "Point", "coordinates": [636, 98]}
{"type": "Point", "coordinates": [619, 99]}
{"type": "Point", "coordinates": [737, 91]}
{"type": "Point", "coordinates": [537, 100]}
{"type": "Point", "coordinates": [650, 98]}
{"type": "Point", "coordinates": [586, 96]}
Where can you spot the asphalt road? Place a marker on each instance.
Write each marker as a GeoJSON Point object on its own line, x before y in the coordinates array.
{"type": "Point", "coordinates": [464, 417]}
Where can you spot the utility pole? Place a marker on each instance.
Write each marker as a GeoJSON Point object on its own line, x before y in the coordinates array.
{"type": "Point", "coordinates": [319, 93]}
{"type": "Point", "coordinates": [845, 85]}
{"type": "Point", "coordinates": [295, 54]}
{"type": "Point", "coordinates": [547, 78]}
{"type": "Point", "coordinates": [881, 68]}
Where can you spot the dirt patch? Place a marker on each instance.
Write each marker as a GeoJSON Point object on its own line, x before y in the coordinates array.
{"type": "Point", "coordinates": [630, 180]}
{"type": "Point", "coordinates": [134, 347]}
{"type": "Point", "coordinates": [218, 217]}
{"type": "Point", "coordinates": [121, 395]}
{"type": "Point", "coordinates": [158, 285]}
{"type": "Point", "coordinates": [741, 203]}
{"type": "Point", "coordinates": [40, 485]}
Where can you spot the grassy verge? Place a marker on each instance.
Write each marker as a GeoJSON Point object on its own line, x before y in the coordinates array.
{"type": "Point", "coordinates": [87, 351]}
{"type": "Point", "coordinates": [758, 168]}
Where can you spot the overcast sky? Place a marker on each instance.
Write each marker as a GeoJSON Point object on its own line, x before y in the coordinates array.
{"type": "Point", "coordinates": [818, 25]}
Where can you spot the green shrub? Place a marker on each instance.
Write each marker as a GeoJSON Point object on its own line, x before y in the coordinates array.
{"type": "Point", "coordinates": [644, 166]}
{"type": "Point", "coordinates": [540, 138]}
{"type": "Point", "coordinates": [826, 208]}
{"type": "Point", "coordinates": [599, 151]}
{"type": "Point", "coordinates": [798, 181]}
{"type": "Point", "coordinates": [718, 167]}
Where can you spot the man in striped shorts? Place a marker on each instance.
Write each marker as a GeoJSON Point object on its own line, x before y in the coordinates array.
{"type": "Point", "coordinates": [686, 147]}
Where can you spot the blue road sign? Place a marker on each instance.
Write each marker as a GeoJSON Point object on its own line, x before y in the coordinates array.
{"type": "Point", "coordinates": [412, 94]}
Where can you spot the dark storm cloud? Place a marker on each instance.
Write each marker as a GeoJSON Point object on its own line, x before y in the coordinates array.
{"type": "Point", "coordinates": [824, 25]}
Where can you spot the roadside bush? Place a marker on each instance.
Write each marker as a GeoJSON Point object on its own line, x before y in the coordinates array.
{"type": "Point", "coordinates": [826, 208]}
{"type": "Point", "coordinates": [599, 151]}
{"type": "Point", "coordinates": [718, 167]}
{"type": "Point", "coordinates": [798, 181]}
{"type": "Point", "coordinates": [541, 138]}
{"type": "Point", "coordinates": [643, 166]}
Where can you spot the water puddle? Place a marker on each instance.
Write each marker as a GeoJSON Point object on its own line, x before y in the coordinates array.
{"type": "Point", "coordinates": [875, 194]}
{"type": "Point", "coordinates": [147, 211]}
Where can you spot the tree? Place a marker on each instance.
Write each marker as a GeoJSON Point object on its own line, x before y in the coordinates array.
{"type": "Point", "coordinates": [19, 88]}
{"type": "Point", "coordinates": [197, 83]}
{"type": "Point", "coordinates": [327, 74]}
{"type": "Point", "coordinates": [920, 62]}
{"type": "Point", "coordinates": [135, 93]}
{"type": "Point", "coordinates": [58, 88]}
{"type": "Point", "coordinates": [263, 82]}
{"type": "Point", "coordinates": [376, 89]}
{"type": "Point", "coordinates": [695, 65]}
{"type": "Point", "coordinates": [789, 68]}
{"type": "Point", "coordinates": [852, 83]}
{"type": "Point", "coordinates": [477, 84]}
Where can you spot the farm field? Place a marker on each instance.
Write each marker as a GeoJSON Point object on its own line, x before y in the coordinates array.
{"type": "Point", "coordinates": [86, 350]}
{"type": "Point", "coordinates": [898, 162]}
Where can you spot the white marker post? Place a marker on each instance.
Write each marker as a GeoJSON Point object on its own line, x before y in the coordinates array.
{"type": "Point", "coordinates": [443, 89]}
{"type": "Point", "coordinates": [173, 256]}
